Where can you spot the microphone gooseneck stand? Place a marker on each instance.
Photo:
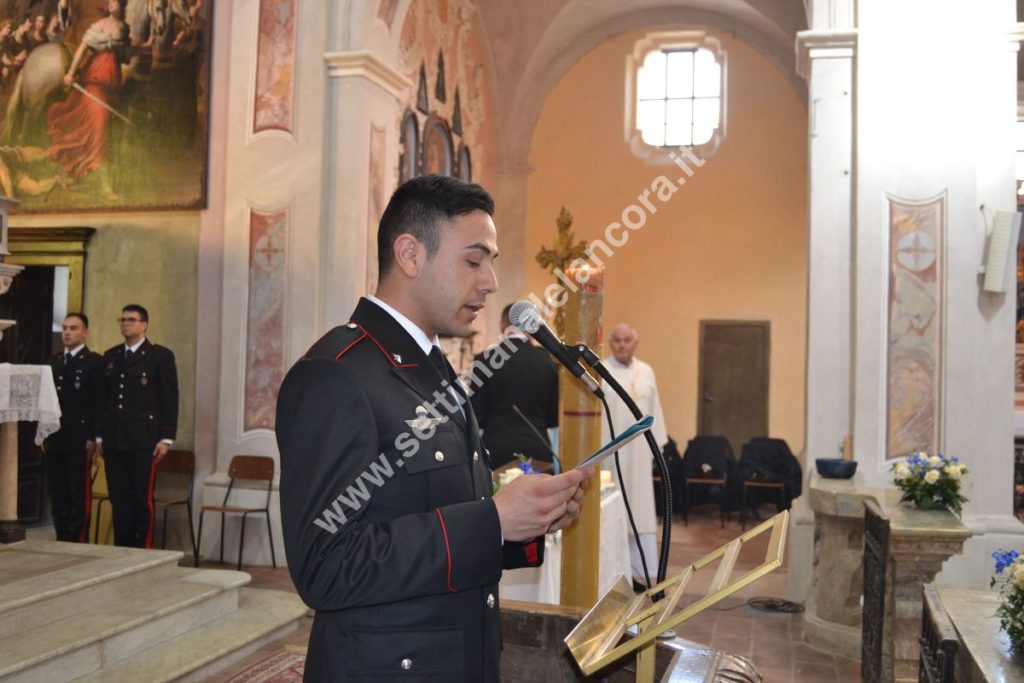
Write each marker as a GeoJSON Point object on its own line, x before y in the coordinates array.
{"type": "Point", "coordinates": [590, 358]}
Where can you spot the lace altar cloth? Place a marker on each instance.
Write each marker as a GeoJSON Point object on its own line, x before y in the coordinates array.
{"type": "Point", "coordinates": [27, 393]}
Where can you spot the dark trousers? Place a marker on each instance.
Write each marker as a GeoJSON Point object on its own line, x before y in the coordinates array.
{"type": "Point", "coordinates": [67, 473]}
{"type": "Point", "coordinates": [130, 483]}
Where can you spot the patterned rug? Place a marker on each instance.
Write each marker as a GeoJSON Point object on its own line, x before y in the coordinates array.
{"type": "Point", "coordinates": [283, 666]}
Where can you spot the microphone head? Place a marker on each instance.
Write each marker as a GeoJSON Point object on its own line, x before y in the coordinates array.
{"type": "Point", "coordinates": [525, 316]}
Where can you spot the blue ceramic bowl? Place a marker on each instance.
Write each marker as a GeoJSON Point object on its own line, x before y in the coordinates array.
{"type": "Point", "coordinates": [836, 468]}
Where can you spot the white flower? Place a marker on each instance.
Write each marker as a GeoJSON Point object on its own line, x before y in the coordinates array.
{"type": "Point", "coordinates": [509, 475]}
{"type": "Point", "coordinates": [1018, 576]}
{"type": "Point", "coordinates": [961, 468]}
{"type": "Point", "coordinates": [902, 471]}
{"type": "Point", "coordinates": [932, 476]}
{"type": "Point", "coordinates": [934, 461]}
{"type": "Point", "coordinates": [953, 471]}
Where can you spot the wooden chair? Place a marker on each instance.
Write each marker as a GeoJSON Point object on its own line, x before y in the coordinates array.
{"type": "Point", "coordinates": [245, 468]}
{"type": "Point", "coordinates": [939, 641]}
{"type": "Point", "coordinates": [873, 666]}
{"type": "Point", "coordinates": [175, 466]}
{"type": "Point", "coordinates": [99, 499]}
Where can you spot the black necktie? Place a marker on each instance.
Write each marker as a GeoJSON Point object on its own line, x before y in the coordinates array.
{"type": "Point", "coordinates": [67, 358]}
{"type": "Point", "coordinates": [439, 362]}
{"type": "Point", "coordinates": [127, 354]}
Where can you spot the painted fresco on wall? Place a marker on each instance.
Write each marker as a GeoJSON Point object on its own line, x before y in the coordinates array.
{"type": "Point", "coordinates": [916, 235]}
{"type": "Point", "coordinates": [275, 61]}
{"type": "Point", "coordinates": [376, 203]}
{"type": "Point", "coordinates": [104, 104]}
{"type": "Point", "coordinates": [265, 363]}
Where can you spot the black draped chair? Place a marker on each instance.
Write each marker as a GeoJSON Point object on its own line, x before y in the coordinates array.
{"type": "Point", "coordinates": [707, 467]}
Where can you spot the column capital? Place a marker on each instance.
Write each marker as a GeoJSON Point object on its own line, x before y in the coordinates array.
{"type": "Point", "coordinates": [364, 64]}
{"type": "Point", "coordinates": [823, 44]}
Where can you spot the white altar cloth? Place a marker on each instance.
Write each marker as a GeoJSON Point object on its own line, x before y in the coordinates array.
{"type": "Point", "coordinates": [543, 583]}
{"type": "Point", "coordinates": [28, 394]}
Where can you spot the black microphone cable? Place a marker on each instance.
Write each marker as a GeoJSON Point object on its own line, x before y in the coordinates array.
{"type": "Point", "coordinates": [625, 498]}
{"type": "Point", "coordinates": [547, 446]}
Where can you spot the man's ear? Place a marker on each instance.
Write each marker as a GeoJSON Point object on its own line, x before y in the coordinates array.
{"type": "Point", "coordinates": [410, 254]}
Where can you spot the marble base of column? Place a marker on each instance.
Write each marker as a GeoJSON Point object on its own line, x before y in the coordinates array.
{"type": "Point", "coordinates": [11, 532]}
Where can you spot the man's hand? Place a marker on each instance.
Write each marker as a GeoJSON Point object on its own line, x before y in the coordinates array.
{"type": "Point", "coordinates": [533, 504]}
{"type": "Point", "coordinates": [159, 451]}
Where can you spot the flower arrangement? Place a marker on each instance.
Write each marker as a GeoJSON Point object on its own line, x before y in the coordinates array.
{"type": "Point", "coordinates": [931, 481]}
{"type": "Point", "coordinates": [507, 476]}
{"type": "Point", "coordinates": [1010, 575]}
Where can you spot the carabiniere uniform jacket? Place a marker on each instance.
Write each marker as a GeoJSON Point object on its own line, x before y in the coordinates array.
{"type": "Point", "coordinates": [140, 405]}
{"type": "Point", "coordinates": [78, 389]}
{"type": "Point", "coordinates": [403, 578]}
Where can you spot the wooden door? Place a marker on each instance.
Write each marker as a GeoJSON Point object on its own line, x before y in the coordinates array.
{"type": "Point", "coordinates": [733, 384]}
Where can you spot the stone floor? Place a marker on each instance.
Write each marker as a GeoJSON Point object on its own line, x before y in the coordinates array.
{"type": "Point", "coordinates": [774, 641]}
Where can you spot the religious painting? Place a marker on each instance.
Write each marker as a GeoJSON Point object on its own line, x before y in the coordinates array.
{"type": "Point", "coordinates": [275, 62]}
{"type": "Point", "coordinates": [409, 153]}
{"type": "Point", "coordinates": [916, 237]}
{"type": "Point", "coordinates": [437, 148]}
{"type": "Point", "coordinates": [104, 104]}
{"type": "Point", "coordinates": [265, 362]}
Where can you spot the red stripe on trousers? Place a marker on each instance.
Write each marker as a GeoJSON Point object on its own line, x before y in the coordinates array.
{"type": "Point", "coordinates": [149, 504]}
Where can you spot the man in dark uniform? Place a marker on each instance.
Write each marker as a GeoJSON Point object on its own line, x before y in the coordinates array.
{"type": "Point", "coordinates": [390, 528]}
{"type": "Point", "coordinates": [523, 378]}
{"type": "Point", "coordinates": [76, 373]}
{"type": "Point", "coordinates": [138, 423]}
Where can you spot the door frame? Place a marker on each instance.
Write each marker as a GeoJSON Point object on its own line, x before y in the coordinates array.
{"type": "Point", "coordinates": [54, 247]}
{"type": "Point", "coordinates": [766, 325]}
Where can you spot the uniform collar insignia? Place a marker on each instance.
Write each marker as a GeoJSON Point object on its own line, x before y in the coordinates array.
{"type": "Point", "coordinates": [397, 357]}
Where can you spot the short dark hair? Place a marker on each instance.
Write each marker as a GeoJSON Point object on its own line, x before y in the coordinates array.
{"type": "Point", "coordinates": [419, 206]}
{"type": "Point", "coordinates": [135, 308]}
{"type": "Point", "coordinates": [81, 316]}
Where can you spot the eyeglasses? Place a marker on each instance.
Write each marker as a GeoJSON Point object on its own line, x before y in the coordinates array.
{"type": "Point", "coordinates": [129, 320]}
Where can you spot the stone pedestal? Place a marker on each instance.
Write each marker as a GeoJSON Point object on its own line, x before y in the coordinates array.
{"type": "Point", "coordinates": [920, 541]}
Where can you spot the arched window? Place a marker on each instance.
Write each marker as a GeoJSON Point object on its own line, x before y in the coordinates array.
{"type": "Point", "coordinates": [676, 94]}
{"type": "Point", "coordinates": [437, 147]}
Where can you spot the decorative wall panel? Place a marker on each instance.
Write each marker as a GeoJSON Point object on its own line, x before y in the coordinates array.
{"type": "Point", "coordinates": [265, 362]}
{"type": "Point", "coordinates": [916, 236]}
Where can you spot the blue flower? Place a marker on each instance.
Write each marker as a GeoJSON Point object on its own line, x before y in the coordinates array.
{"type": "Point", "coordinates": [1004, 558]}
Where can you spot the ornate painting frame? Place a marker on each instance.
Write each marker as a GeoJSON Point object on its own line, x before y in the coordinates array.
{"type": "Point", "coordinates": [129, 129]}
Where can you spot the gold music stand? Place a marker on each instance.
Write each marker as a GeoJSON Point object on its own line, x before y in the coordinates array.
{"type": "Point", "coordinates": [594, 643]}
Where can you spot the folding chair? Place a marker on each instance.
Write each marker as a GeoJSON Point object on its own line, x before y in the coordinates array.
{"type": "Point", "coordinates": [179, 465]}
{"type": "Point", "coordinates": [247, 468]}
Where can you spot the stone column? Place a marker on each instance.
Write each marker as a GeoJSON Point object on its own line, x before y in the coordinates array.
{"type": "Point", "coordinates": [825, 58]}
{"type": "Point", "coordinates": [364, 93]}
{"type": "Point", "coordinates": [10, 530]}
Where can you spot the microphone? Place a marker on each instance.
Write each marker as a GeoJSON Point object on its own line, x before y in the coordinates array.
{"type": "Point", "coordinates": [526, 317]}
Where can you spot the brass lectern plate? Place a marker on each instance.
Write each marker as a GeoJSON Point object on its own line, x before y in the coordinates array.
{"type": "Point", "coordinates": [594, 642]}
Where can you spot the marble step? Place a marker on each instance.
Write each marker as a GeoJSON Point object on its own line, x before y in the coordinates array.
{"type": "Point", "coordinates": [263, 616]}
{"type": "Point", "coordinates": [121, 628]}
{"type": "Point", "coordinates": [44, 581]}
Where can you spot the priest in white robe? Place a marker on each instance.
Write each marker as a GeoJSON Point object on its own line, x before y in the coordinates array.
{"type": "Point", "coordinates": [637, 378]}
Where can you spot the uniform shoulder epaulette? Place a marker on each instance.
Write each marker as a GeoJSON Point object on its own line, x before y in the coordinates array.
{"type": "Point", "coordinates": [338, 342]}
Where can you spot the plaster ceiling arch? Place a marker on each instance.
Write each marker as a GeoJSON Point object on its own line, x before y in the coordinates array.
{"type": "Point", "coordinates": [582, 25]}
